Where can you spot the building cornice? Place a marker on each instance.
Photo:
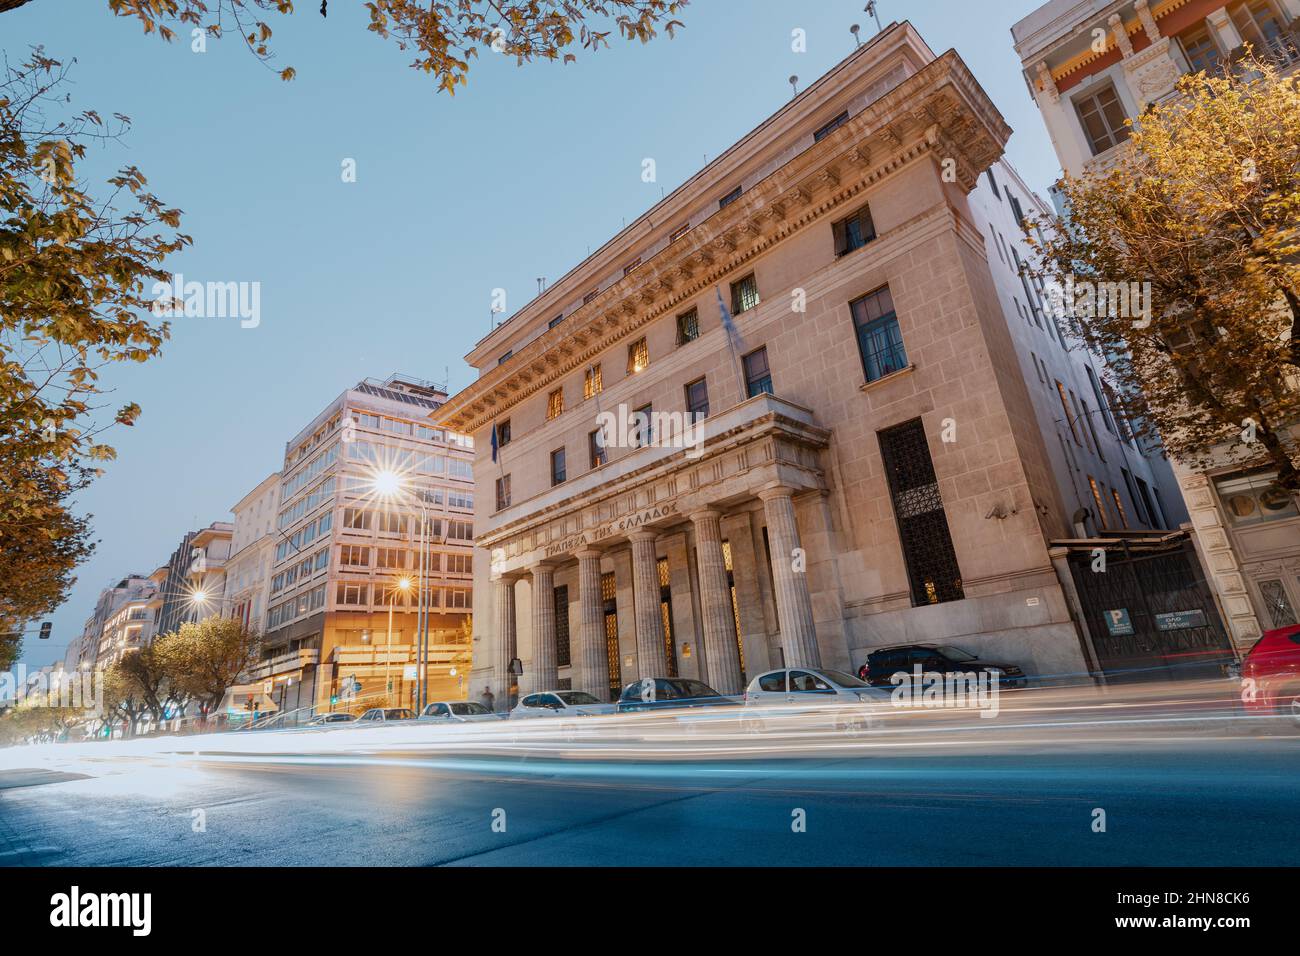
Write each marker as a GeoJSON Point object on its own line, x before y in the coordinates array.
{"type": "Point", "coordinates": [940, 110]}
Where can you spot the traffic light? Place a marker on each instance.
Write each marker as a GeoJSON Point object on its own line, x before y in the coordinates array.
{"type": "Point", "coordinates": [45, 630]}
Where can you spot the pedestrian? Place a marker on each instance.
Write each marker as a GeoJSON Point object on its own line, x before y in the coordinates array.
{"type": "Point", "coordinates": [488, 700]}
{"type": "Point", "coordinates": [863, 671]}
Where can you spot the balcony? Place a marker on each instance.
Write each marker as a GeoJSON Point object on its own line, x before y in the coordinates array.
{"type": "Point", "coordinates": [284, 663]}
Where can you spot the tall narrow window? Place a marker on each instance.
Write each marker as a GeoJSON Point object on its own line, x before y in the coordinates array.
{"type": "Point", "coordinates": [609, 601]}
{"type": "Point", "coordinates": [503, 433]}
{"type": "Point", "coordinates": [758, 375]}
{"type": "Point", "coordinates": [854, 232]}
{"type": "Point", "coordinates": [918, 508]}
{"type": "Point", "coordinates": [1102, 117]}
{"type": "Point", "coordinates": [643, 426]}
{"type": "Point", "coordinates": [596, 447]}
{"type": "Point", "coordinates": [503, 492]}
{"type": "Point", "coordinates": [744, 294]}
{"type": "Point", "coordinates": [729, 564]}
{"type": "Point", "coordinates": [697, 398]}
{"type": "Point", "coordinates": [1099, 502]}
{"type": "Point", "coordinates": [555, 404]}
{"type": "Point", "coordinates": [562, 626]}
{"type": "Point", "coordinates": [1119, 507]}
{"type": "Point", "coordinates": [1065, 410]}
{"type": "Point", "coordinates": [558, 474]}
{"type": "Point", "coordinates": [591, 383]}
{"type": "Point", "coordinates": [1133, 496]}
{"type": "Point", "coordinates": [880, 341]}
{"type": "Point", "coordinates": [1101, 402]}
{"type": "Point", "coordinates": [688, 327]}
{"type": "Point", "coordinates": [638, 356]}
{"type": "Point", "coordinates": [666, 615]}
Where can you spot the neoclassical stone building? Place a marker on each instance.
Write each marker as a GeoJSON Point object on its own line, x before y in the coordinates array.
{"type": "Point", "coordinates": [868, 466]}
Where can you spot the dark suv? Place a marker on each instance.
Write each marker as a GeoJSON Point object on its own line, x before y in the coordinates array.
{"type": "Point", "coordinates": [664, 693]}
{"type": "Point", "coordinates": [942, 658]}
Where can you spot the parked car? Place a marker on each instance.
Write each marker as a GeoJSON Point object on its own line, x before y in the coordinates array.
{"type": "Point", "coordinates": [883, 664]}
{"type": "Point", "coordinates": [334, 719]}
{"type": "Point", "coordinates": [385, 715]}
{"type": "Point", "coordinates": [1270, 674]}
{"type": "Point", "coordinates": [559, 703]}
{"type": "Point", "coordinates": [794, 693]}
{"type": "Point", "coordinates": [458, 712]}
{"type": "Point", "coordinates": [669, 693]}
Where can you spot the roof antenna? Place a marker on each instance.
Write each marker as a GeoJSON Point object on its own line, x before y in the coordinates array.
{"type": "Point", "coordinates": [541, 284]}
{"type": "Point", "coordinates": [857, 41]}
{"type": "Point", "coordinates": [794, 85]}
{"type": "Point", "coordinates": [871, 9]}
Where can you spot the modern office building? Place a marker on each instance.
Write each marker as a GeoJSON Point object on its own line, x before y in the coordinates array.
{"type": "Point", "coordinates": [354, 485]}
{"type": "Point", "coordinates": [1090, 65]}
{"type": "Point", "coordinates": [878, 458]}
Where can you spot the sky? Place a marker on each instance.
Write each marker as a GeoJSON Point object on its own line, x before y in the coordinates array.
{"type": "Point", "coordinates": [519, 175]}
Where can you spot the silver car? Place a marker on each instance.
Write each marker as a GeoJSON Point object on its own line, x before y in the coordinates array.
{"type": "Point", "coordinates": [457, 712]}
{"type": "Point", "coordinates": [797, 696]}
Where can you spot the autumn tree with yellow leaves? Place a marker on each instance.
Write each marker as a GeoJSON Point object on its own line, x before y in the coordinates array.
{"type": "Point", "coordinates": [1202, 203]}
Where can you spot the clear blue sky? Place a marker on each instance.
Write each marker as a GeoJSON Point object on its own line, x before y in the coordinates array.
{"type": "Point", "coordinates": [513, 178]}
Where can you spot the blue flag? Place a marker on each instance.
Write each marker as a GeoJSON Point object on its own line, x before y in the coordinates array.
{"type": "Point", "coordinates": [494, 443]}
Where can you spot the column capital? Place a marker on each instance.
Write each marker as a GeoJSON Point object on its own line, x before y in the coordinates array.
{"type": "Point", "coordinates": [543, 566]}
{"type": "Point", "coordinates": [704, 514]}
{"type": "Point", "coordinates": [642, 534]}
{"type": "Point", "coordinates": [775, 491]}
{"type": "Point", "coordinates": [588, 553]}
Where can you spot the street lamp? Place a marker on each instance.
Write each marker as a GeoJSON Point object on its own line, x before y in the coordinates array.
{"type": "Point", "coordinates": [403, 587]}
{"type": "Point", "coordinates": [389, 484]}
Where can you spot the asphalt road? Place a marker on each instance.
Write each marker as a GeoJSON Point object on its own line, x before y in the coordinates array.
{"type": "Point", "coordinates": [1201, 797]}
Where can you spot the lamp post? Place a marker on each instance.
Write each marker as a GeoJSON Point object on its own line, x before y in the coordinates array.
{"type": "Point", "coordinates": [403, 586]}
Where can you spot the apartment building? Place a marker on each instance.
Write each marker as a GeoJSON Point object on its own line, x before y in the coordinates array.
{"type": "Point", "coordinates": [252, 549]}
{"type": "Point", "coordinates": [1090, 65]}
{"type": "Point", "coordinates": [355, 485]}
{"type": "Point", "coordinates": [104, 634]}
{"type": "Point", "coordinates": [130, 627]}
{"type": "Point", "coordinates": [192, 582]}
{"type": "Point", "coordinates": [868, 458]}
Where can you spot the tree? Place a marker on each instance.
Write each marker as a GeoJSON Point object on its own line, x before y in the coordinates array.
{"type": "Point", "coordinates": [73, 278]}
{"type": "Point", "coordinates": [153, 671]}
{"type": "Point", "coordinates": [1203, 206]}
{"type": "Point", "coordinates": [122, 699]}
{"type": "Point", "coordinates": [444, 34]}
{"type": "Point", "coordinates": [207, 658]}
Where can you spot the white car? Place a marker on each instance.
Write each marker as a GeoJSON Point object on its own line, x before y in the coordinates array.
{"type": "Point", "coordinates": [457, 712]}
{"type": "Point", "coordinates": [334, 719]}
{"type": "Point", "coordinates": [377, 716]}
{"type": "Point", "coordinates": [794, 694]}
{"type": "Point", "coordinates": [559, 703]}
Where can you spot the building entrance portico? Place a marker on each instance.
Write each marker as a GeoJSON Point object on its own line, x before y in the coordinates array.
{"type": "Point", "coordinates": [658, 530]}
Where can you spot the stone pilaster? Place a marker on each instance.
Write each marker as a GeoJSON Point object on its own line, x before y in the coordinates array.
{"type": "Point", "coordinates": [545, 672]}
{"type": "Point", "coordinates": [793, 602]}
{"type": "Point", "coordinates": [592, 666]}
{"type": "Point", "coordinates": [650, 659]}
{"type": "Point", "coordinates": [503, 594]}
{"type": "Point", "coordinates": [721, 655]}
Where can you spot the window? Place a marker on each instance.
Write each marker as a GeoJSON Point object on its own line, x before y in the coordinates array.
{"type": "Point", "coordinates": [1097, 499]}
{"type": "Point", "coordinates": [880, 341]}
{"type": "Point", "coordinates": [554, 322]}
{"type": "Point", "coordinates": [596, 447]}
{"type": "Point", "coordinates": [390, 557]}
{"type": "Point", "coordinates": [638, 356]}
{"type": "Point", "coordinates": [503, 433]}
{"type": "Point", "coordinates": [356, 519]}
{"type": "Point", "coordinates": [993, 183]}
{"type": "Point", "coordinates": [555, 404]}
{"type": "Point", "coordinates": [1133, 496]}
{"type": "Point", "coordinates": [627, 269]}
{"type": "Point", "coordinates": [353, 594]}
{"type": "Point", "coordinates": [562, 626]}
{"type": "Point", "coordinates": [744, 294]}
{"type": "Point", "coordinates": [1144, 492]}
{"type": "Point", "coordinates": [1016, 210]}
{"type": "Point", "coordinates": [590, 295]}
{"type": "Point", "coordinates": [1119, 507]}
{"type": "Point", "coordinates": [1200, 49]}
{"type": "Point", "coordinates": [1102, 117]}
{"type": "Point", "coordinates": [918, 509]}
{"type": "Point", "coordinates": [697, 398]}
{"type": "Point", "coordinates": [854, 232]}
{"type": "Point", "coordinates": [758, 375]}
{"type": "Point", "coordinates": [642, 422]}
{"type": "Point", "coordinates": [1092, 430]}
{"type": "Point", "coordinates": [830, 127]}
{"type": "Point", "coordinates": [503, 492]}
{"type": "Point", "coordinates": [679, 232]}
{"type": "Point", "coordinates": [731, 197]}
{"type": "Point", "coordinates": [688, 327]}
{"type": "Point", "coordinates": [351, 555]}
{"type": "Point", "coordinates": [1065, 410]}
{"type": "Point", "coordinates": [1078, 417]}
{"type": "Point", "coordinates": [1036, 368]}
{"type": "Point", "coordinates": [591, 384]}
{"type": "Point", "coordinates": [557, 467]}
{"type": "Point", "coordinates": [505, 358]}
{"type": "Point", "coordinates": [1101, 402]}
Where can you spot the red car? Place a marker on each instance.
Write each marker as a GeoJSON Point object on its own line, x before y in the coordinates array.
{"type": "Point", "coordinates": [1270, 674]}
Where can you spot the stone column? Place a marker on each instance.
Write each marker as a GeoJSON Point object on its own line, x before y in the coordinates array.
{"type": "Point", "coordinates": [793, 603]}
{"type": "Point", "coordinates": [593, 664]}
{"type": "Point", "coordinates": [650, 659]}
{"type": "Point", "coordinates": [721, 655]}
{"type": "Point", "coordinates": [503, 593]}
{"type": "Point", "coordinates": [545, 671]}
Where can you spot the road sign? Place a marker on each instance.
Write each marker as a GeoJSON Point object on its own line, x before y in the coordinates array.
{"type": "Point", "coordinates": [1118, 622]}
